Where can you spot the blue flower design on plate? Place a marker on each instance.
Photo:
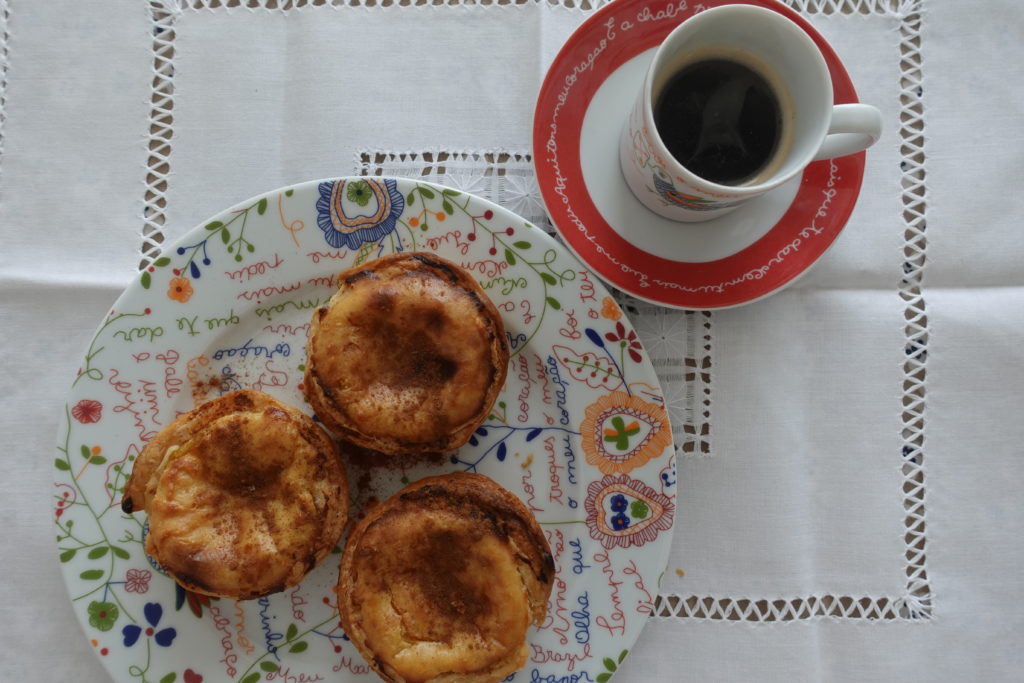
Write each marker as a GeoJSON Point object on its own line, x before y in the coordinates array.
{"type": "Point", "coordinates": [153, 611]}
{"type": "Point", "coordinates": [351, 212]}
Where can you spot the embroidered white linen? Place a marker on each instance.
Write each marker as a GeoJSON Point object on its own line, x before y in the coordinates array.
{"type": "Point", "coordinates": [849, 449]}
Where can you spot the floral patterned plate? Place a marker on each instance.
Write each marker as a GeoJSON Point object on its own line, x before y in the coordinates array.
{"type": "Point", "coordinates": [580, 431]}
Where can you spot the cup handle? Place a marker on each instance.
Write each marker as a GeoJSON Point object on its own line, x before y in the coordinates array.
{"type": "Point", "coordinates": [854, 128]}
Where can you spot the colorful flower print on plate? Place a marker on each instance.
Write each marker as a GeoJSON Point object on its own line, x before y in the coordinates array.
{"type": "Point", "coordinates": [580, 431]}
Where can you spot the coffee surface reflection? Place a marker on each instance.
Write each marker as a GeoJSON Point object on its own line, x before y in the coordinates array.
{"type": "Point", "coordinates": [721, 120]}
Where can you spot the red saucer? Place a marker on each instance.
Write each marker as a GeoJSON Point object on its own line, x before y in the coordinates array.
{"type": "Point", "coordinates": [614, 35]}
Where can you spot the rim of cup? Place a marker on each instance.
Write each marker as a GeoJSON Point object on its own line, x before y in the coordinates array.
{"type": "Point", "coordinates": [815, 99]}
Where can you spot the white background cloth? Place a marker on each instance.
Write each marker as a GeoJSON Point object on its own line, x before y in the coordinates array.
{"type": "Point", "coordinates": [802, 495]}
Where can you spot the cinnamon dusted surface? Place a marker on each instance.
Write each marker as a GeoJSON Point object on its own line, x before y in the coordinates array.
{"type": "Point", "coordinates": [442, 581]}
{"type": "Point", "coordinates": [408, 356]}
{"type": "Point", "coordinates": [244, 495]}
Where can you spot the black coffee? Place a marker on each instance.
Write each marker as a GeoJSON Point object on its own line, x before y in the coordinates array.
{"type": "Point", "coordinates": [719, 119]}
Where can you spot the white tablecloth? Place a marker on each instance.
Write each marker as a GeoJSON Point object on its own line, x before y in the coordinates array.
{"type": "Point", "coordinates": [850, 450]}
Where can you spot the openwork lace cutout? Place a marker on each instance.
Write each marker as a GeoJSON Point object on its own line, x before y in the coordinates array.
{"type": "Point", "coordinates": [4, 39]}
{"type": "Point", "coordinates": [918, 601]}
{"type": "Point", "coordinates": [805, 6]}
{"type": "Point", "coordinates": [901, 7]}
{"type": "Point", "coordinates": [507, 178]}
{"type": "Point", "coordinates": [290, 5]}
{"type": "Point", "coordinates": [161, 130]}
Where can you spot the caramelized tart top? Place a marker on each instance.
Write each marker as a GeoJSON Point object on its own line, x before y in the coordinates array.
{"type": "Point", "coordinates": [409, 355]}
{"type": "Point", "coordinates": [244, 495]}
{"type": "Point", "coordinates": [442, 581]}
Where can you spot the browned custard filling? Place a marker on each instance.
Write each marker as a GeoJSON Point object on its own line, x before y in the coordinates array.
{"type": "Point", "coordinates": [442, 581]}
{"type": "Point", "coordinates": [409, 355]}
{"type": "Point", "coordinates": [245, 495]}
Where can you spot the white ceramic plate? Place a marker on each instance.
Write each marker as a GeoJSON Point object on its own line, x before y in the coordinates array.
{"type": "Point", "coordinates": [580, 431]}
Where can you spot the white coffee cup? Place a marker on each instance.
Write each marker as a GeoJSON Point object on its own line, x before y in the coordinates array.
{"type": "Point", "coordinates": [782, 54]}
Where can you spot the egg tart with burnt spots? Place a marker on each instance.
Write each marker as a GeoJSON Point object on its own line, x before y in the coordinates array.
{"type": "Point", "coordinates": [407, 357]}
{"type": "Point", "coordinates": [441, 581]}
{"type": "Point", "coordinates": [244, 494]}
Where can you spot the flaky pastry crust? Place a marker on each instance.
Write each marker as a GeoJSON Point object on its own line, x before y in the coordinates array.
{"type": "Point", "coordinates": [407, 357]}
{"type": "Point", "coordinates": [244, 494]}
{"type": "Point", "coordinates": [442, 581]}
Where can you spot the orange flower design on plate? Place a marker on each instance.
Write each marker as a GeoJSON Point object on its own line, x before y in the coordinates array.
{"type": "Point", "coordinates": [622, 432]}
{"type": "Point", "coordinates": [180, 289]}
{"type": "Point", "coordinates": [610, 309]}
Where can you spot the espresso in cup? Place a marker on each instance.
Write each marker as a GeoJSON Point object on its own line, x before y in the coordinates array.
{"type": "Point", "coordinates": [724, 117]}
{"type": "Point", "coordinates": [736, 102]}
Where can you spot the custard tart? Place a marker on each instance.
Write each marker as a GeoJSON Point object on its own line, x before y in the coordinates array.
{"type": "Point", "coordinates": [244, 496]}
{"type": "Point", "coordinates": [441, 581]}
{"type": "Point", "coordinates": [407, 357]}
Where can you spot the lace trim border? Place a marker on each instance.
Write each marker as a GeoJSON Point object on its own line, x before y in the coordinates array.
{"type": "Point", "coordinates": [765, 610]}
{"type": "Point", "coordinates": [161, 130]}
{"type": "Point", "coordinates": [919, 591]}
{"type": "Point", "coordinates": [5, 36]}
{"type": "Point", "coordinates": [805, 6]}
